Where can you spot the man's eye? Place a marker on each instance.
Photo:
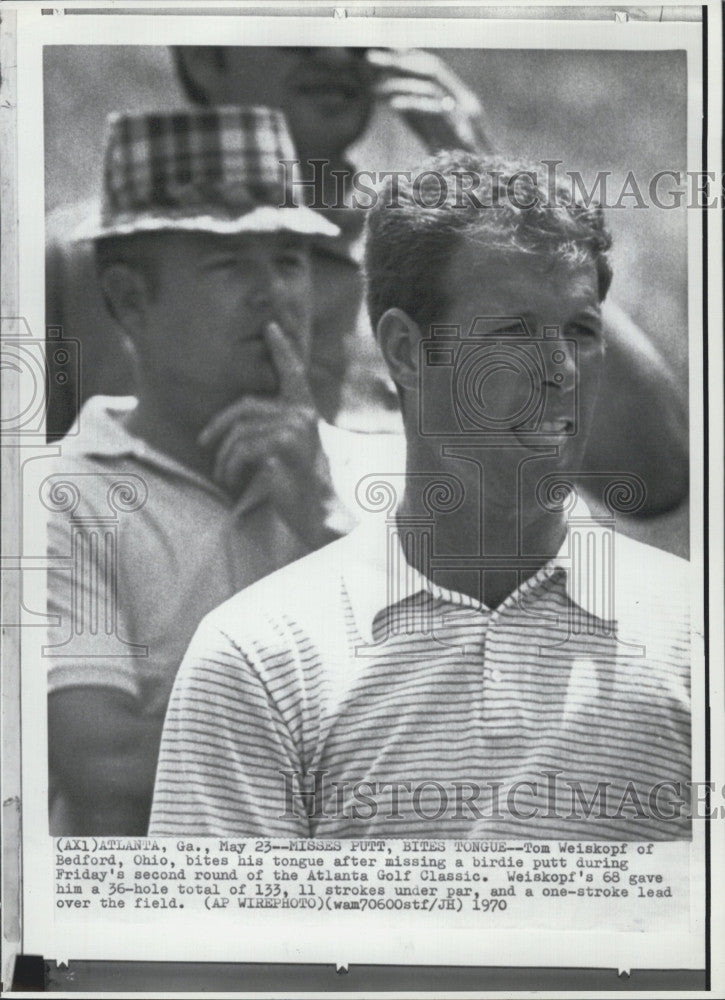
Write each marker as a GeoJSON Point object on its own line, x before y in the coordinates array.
{"type": "Point", "coordinates": [584, 330]}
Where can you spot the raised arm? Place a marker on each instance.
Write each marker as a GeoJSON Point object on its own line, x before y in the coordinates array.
{"type": "Point", "coordinates": [646, 431]}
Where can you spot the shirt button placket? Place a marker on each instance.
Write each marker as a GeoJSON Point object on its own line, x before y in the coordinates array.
{"type": "Point", "coordinates": [491, 675]}
{"type": "Point", "coordinates": [493, 672]}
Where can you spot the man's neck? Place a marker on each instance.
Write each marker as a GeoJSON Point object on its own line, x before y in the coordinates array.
{"type": "Point", "coordinates": [169, 433]}
{"type": "Point", "coordinates": [518, 537]}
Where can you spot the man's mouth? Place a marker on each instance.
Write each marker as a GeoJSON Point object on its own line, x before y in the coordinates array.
{"type": "Point", "coordinates": [559, 425]}
{"type": "Point", "coordinates": [556, 430]}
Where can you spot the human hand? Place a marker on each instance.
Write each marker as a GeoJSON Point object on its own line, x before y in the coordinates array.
{"type": "Point", "coordinates": [437, 105]}
{"type": "Point", "coordinates": [280, 435]}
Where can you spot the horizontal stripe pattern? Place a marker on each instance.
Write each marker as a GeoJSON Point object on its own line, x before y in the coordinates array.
{"type": "Point", "coordinates": [486, 716]}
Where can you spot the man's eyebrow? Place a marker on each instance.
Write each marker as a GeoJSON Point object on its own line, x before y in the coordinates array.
{"type": "Point", "coordinates": [222, 256]}
{"type": "Point", "coordinates": [222, 253]}
{"type": "Point", "coordinates": [233, 247]}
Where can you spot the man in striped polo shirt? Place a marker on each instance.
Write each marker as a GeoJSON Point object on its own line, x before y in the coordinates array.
{"type": "Point", "coordinates": [479, 658]}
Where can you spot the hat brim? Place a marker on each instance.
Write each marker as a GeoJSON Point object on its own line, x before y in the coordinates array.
{"type": "Point", "coordinates": [263, 219]}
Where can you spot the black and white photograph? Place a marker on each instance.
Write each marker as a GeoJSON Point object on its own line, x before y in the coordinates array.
{"type": "Point", "coordinates": [363, 482]}
{"type": "Point", "coordinates": [449, 336]}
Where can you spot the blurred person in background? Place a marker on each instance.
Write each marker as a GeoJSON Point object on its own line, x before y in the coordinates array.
{"type": "Point", "coordinates": [209, 281]}
{"type": "Point", "coordinates": [328, 95]}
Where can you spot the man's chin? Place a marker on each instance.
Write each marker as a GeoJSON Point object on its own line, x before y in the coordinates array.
{"type": "Point", "coordinates": [323, 132]}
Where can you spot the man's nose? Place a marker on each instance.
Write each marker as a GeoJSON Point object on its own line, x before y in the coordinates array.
{"type": "Point", "coordinates": [351, 63]}
{"type": "Point", "coordinates": [267, 284]}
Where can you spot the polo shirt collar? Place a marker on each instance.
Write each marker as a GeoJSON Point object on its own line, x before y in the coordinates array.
{"type": "Point", "coordinates": [100, 432]}
{"type": "Point", "coordinates": [372, 588]}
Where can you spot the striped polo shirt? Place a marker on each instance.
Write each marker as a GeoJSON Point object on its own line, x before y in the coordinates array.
{"type": "Point", "coordinates": [349, 695]}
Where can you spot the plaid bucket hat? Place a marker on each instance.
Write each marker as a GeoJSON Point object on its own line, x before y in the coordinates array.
{"type": "Point", "coordinates": [214, 170]}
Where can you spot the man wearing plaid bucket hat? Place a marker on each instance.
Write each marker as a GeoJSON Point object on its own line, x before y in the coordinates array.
{"type": "Point", "coordinates": [210, 282]}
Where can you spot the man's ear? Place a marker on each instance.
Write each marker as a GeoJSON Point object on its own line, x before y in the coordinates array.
{"type": "Point", "coordinates": [399, 336]}
{"type": "Point", "coordinates": [127, 297]}
{"type": "Point", "coordinates": [201, 70]}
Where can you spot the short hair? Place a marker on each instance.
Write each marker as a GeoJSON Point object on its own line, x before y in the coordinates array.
{"type": "Point", "coordinates": [413, 230]}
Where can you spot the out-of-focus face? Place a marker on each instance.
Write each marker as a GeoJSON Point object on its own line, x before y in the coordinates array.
{"type": "Point", "coordinates": [506, 377]}
{"type": "Point", "coordinates": [325, 93]}
{"type": "Point", "coordinates": [213, 296]}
